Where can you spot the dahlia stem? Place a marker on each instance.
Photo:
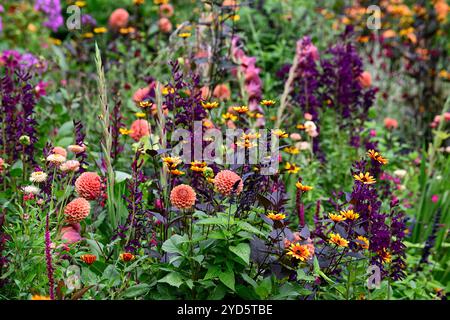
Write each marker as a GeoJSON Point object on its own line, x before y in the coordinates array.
{"type": "Point", "coordinates": [48, 256]}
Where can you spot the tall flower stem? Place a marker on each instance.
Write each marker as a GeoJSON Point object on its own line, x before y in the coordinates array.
{"type": "Point", "coordinates": [106, 137]}
{"type": "Point", "coordinates": [48, 256]}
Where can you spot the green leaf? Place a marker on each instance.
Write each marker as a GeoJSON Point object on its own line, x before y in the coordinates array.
{"type": "Point", "coordinates": [172, 245]}
{"type": "Point", "coordinates": [16, 169]}
{"type": "Point", "coordinates": [227, 278]}
{"type": "Point", "coordinates": [112, 276]}
{"type": "Point", "coordinates": [213, 272]}
{"type": "Point", "coordinates": [249, 280]}
{"type": "Point", "coordinates": [242, 250]}
{"type": "Point", "coordinates": [264, 288]}
{"type": "Point", "coordinates": [136, 290]}
{"type": "Point", "coordinates": [248, 227]}
{"type": "Point", "coordinates": [174, 279]}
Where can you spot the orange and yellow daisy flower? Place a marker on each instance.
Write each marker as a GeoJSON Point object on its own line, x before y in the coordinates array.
{"type": "Point", "coordinates": [385, 255]}
{"type": "Point", "coordinates": [303, 187]}
{"type": "Point", "coordinates": [198, 166]}
{"type": "Point", "coordinates": [241, 109]}
{"type": "Point", "coordinates": [336, 239]}
{"type": "Point", "coordinates": [291, 167]}
{"type": "Point", "coordinates": [267, 103]}
{"type": "Point", "coordinates": [172, 162]}
{"type": "Point", "coordinates": [291, 150]}
{"type": "Point", "coordinates": [210, 105]}
{"type": "Point", "coordinates": [299, 251]}
{"type": "Point", "coordinates": [280, 133]}
{"type": "Point", "coordinates": [376, 156]}
{"type": "Point", "coordinates": [350, 214]}
{"type": "Point", "coordinates": [276, 216]}
{"type": "Point", "coordinates": [363, 242]}
{"type": "Point", "coordinates": [336, 217]}
{"type": "Point", "coordinates": [365, 178]}
{"type": "Point", "coordinates": [126, 256]}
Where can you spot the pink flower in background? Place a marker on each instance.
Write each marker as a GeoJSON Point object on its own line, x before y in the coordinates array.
{"type": "Point", "coordinates": [139, 128]}
{"type": "Point", "coordinates": [390, 123]}
{"type": "Point", "coordinates": [373, 133]}
{"type": "Point", "coordinates": [40, 89]}
{"type": "Point", "coordinates": [365, 79]}
{"type": "Point", "coordinates": [119, 18]}
{"type": "Point", "coordinates": [435, 198]}
{"type": "Point", "coordinates": [165, 25]}
{"type": "Point", "coordinates": [71, 234]}
{"type": "Point", "coordinates": [222, 92]}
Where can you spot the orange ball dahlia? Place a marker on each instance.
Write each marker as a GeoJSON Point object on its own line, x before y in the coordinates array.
{"type": "Point", "coordinates": [139, 128]}
{"type": "Point", "coordinates": [89, 185]}
{"type": "Point", "coordinates": [183, 196]}
{"type": "Point", "coordinates": [77, 210]}
{"type": "Point", "coordinates": [225, 181]}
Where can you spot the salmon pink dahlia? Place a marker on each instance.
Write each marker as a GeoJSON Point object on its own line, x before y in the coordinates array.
{"type": "Point", "coordinates": [140, 94]}
{"type": "Point", "coordinates": [60, 150]}
{"type": "Point", "coordinates": [139, 128]}
{"type": "Point", "coordinates": [183, 196]}
{"type": "Point", "coordinates": [119, 18]}
{"type": "Point", "coordinates": [225, 180]}
{"type": "Point", "coordinates": [365, 79]}
{"type": "Point", "coordinates": [77, 210]}
{"type": "Point", "coordinates": [76, 148]}
{"type": "Point", "coordinates": [89, 185]}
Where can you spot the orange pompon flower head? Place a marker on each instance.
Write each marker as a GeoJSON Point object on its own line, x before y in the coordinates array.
{"type": "Point", "coordinates": [365, 79]}
{"type": "Point", "coordinates": [127, 256]}
{"type": "Point", "coordinates": [390, 123]}
{"type": "Point", "coordinates": [336, 239]}
{"type": "Point", "coordinates": [183, 197]}
{"type": "Point", "coordinates": [2, 164]}
{"type": "Point", "coordinates": [60, 150]}
{"type": "Point", "coordinates": [119, 18]}
{"type": "Point", "coordinates": [139, 128]}
{"type": "Point", "coordinates": [299, 251]}
{"type": "Point", "coordinates": [374, 155]}
{"type": "Point", "coordinates": [89, 185]}
{"type": "Point", "coordinates": [227, 182]}
{"type": "Point", "coordinates": [77, 210]}
{"type": "Point", "coordinates": [88, 258]}
{"type": "Point", "coordinates": [365, 178]}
